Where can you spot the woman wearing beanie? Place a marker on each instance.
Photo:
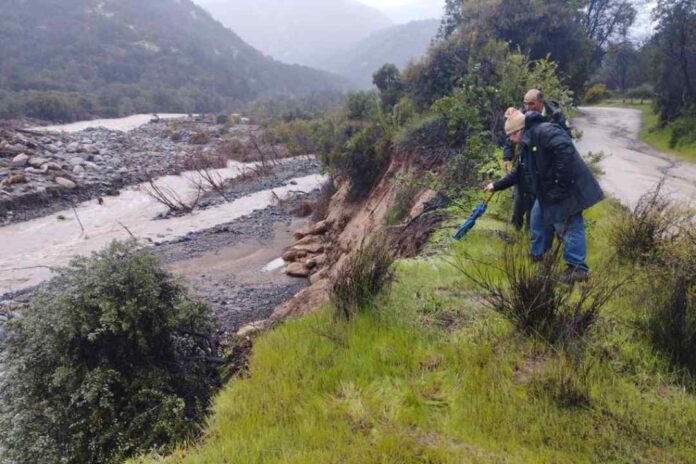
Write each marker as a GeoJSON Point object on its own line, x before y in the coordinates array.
{"type": "Point", "coordinates": [563, 184]}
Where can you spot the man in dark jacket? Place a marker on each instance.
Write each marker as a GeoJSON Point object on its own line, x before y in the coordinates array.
{"type": "Point", "coordinates": [523, 199]}
{"type": "Point", "coordinates": [563, 184]}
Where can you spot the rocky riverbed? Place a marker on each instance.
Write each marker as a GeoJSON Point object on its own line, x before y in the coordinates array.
{"type": "Point", "coordinates": [44, 171]}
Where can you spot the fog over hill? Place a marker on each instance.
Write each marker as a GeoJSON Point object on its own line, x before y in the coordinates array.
{"type": "Point", "coordinates": [397, 45]}
{"type": "Point", "coordinates": [75, 58]}
{"type": "Point", "coordinates": [299, 31]}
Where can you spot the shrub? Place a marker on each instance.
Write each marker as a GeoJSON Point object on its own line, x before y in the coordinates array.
{"type": "Point", "coordinates": [297, 135]}
{"type": "Point", "coordinates": [671, 318]}
{"type": "Point", "coordinates": [534, 298]}
{"type": "Point", "coordinates": [200, 138]}
{"type": "Point", "coordinates": [407, 186]}
{"type": "Point", "coordinates": [111, 358]}
{"type": "Point", "coordinates": [671, 302]}
{"type": "Point", "coordinates": [643, 234]}
{"type": "Point", "coordinates": [222, 119]}
{"type": "Point", "coordinates": [361, 278]}
{"type": "Point", "coordinates": [642, 93]}
{"type": "Point", "coordinates": [683, 128]}
{"type": "Point", "coordinates": [322, 204]}
{"type": "Point", "coordinates": [362, 159]}
{"type": "Point", "coordinates": [596, 94]}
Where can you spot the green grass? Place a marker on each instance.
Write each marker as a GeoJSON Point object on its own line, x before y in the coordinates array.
{"type": "Point", "coordinates": [651, 133]}
{"type": "Point", "coordinates": [430, 375]}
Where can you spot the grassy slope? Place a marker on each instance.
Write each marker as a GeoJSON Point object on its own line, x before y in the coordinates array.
{"type": "Point", "coordinates": [652, 134]}
{"type": "Point", "coordinates": [432, 376]}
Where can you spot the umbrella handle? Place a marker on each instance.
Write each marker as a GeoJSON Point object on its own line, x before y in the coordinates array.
{"type": "Point", "coordinates": [490, 197]}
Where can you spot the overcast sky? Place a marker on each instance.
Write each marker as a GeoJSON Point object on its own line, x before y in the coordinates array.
{"type": "Point", "coordinates": [408, 10]}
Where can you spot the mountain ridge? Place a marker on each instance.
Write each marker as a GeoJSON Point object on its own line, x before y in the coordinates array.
{"type": "Point", "coordinates": [126, 56]}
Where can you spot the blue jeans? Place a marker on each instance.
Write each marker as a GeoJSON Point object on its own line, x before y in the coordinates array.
{"type": "Point", "coordinates": [572, 232]}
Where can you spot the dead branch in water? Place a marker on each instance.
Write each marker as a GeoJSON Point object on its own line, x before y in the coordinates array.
{"type": "Point", "coordinates": [169, 198]}
{"type": "Point", "coordinates": [127, 230]}
{"type": "Point", "coordinates": [78, 220]}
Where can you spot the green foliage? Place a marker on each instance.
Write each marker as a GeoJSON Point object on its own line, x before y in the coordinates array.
{"type": "Point", "coordinates": [355, 144]}
{"type": "Point", "coordinates": [110, 359]}
{"type": "Point", "coordinates": [642, 92]}
{"type": "Point", "coordinates": [388, 80]}
{"type": "Point", "coordinates": [596, 94]}
{"type": "Point", "coordinates": [361, 106]}
{"type": "Point", "coordinates": [683, 128]}
{"type": "Point", "coordinates": [361, 278]}
{"type": "Point", "coordinates": [675, 60]}
{"type": "Point", "coordinates": [299, 136]}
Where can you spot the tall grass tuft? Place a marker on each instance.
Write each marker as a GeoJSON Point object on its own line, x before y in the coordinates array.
{"type": "Point", "coordinates": [671, 317]}
{"type": "Point", "coordinates": [641, 235]}
{"type": "Point", "coordinates": [362, 277]}
{"type": "Point", "coordinates": [533, 296]}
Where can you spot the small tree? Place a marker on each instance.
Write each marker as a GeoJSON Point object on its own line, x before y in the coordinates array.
{"type": "Point", "coordinates": [110, 359]}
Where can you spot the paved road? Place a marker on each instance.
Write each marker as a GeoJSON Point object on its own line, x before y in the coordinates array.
{"type": "Point", "coordinates": [632, 167]}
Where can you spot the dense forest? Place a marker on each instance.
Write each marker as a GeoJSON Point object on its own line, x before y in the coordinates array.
{"type": "Point", "coordinates": [70, 59]}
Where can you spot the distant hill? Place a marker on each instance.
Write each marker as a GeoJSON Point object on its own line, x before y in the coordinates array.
{"type": "Point", "coordinates": [299, 31]}
{"type": "Point", "coordinates": [67, 59]}
{"type": "Point", "coordinates": [397, 45]}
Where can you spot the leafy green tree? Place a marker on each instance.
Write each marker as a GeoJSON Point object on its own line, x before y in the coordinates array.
{"type": "Point", "coordinates": [388, 80]}
{"type": "Point", "coordinates": [110, 359]}
{"type": "Point", "coordinates": [676, 39]}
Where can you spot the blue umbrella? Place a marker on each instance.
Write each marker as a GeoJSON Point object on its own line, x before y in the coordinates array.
{"type": "Point", "coordinates": [469, 224]}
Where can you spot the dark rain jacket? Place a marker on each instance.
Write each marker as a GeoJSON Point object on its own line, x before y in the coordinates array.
{"type": "Point", "coordinates": [553, 114]}
{"type": "Point", "coordinates": [563, 183]}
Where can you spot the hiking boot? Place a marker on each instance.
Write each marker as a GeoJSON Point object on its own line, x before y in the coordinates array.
{"type": "Point", "coordinates": [573, 274]}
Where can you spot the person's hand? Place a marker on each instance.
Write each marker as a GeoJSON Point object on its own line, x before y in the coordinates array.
{"type": "Point", "coordinates": [506, 166]}
{"type": "Point", "coordinates": [490, 188]}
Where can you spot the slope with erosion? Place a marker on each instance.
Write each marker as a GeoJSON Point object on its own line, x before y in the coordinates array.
{"type": "Point", "coordinates": [428, 373]}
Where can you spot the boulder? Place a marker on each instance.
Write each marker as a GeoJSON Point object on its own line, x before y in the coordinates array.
{"type": "Point", "coordinates": [50, 166]}
{"type": "Point", "coordinates": [314, 248]}
{"type": "Point", "coordinates": [77, 161]}
{"type": "Point", "coordinates": [292, 255]}
{"type": "Point", "coordinates": [37, 161]}
{"type": "Point", "coordinates": [20, 160]}
{"type": "Point", "coordinates": [78, 170]}
{"type": "Point", "coordinates": [65, 183]}
{"type": "Point", "coordinates": [320, 228]}
{"type": "Point", "coordinates": [310, 240]}
{"type": "Point", "coordinates": [73, 147]}
{"type": "Point", "coordinates": [297, 270]}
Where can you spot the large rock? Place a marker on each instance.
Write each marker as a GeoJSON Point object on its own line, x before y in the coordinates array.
{"type": "Point", "coordinates": [78, 170]}
{"type": "Point", "coordinates": [37, 161]}
{"type": "Point", "coordinates": [77, 161]}
{"type": "Point", "coordinates": [292, 255]}
{"type": "Point", "coordinates": [65, 183]}
{"type": "Point", "coordinates": [297, 270]}
{"type": "Point", "coordinates": [320, 228]}
{"type": "Point", "coordinates": [20, 160]}
{"type": "Point", "coordinates": [73, 147]}
{"type": "Point", "coordinates": [311, 244]}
